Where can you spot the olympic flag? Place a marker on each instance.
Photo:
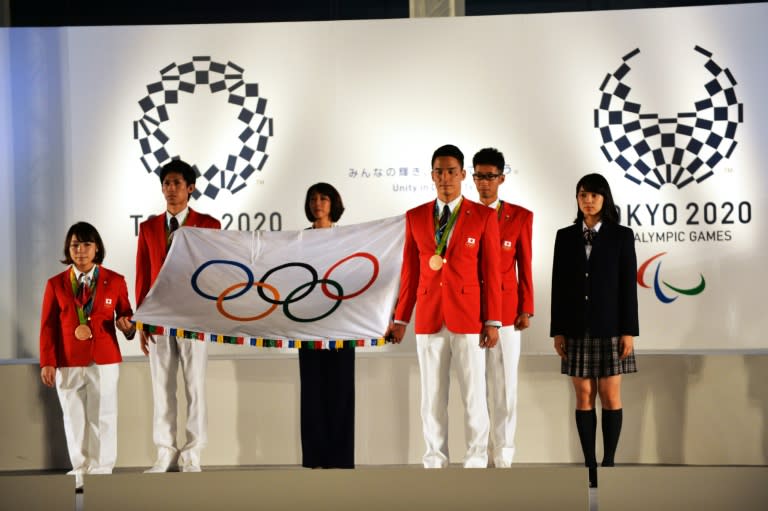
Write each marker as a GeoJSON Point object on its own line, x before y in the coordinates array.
{"type": "Point", "coordinates": [316, 288]}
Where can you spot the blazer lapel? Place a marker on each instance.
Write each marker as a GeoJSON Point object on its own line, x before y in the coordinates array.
{"type": "Point", "coordinates": [603, 235]}
{"type": "Point", "coordinates": [429, 222]}
{"type": "Point", "coordinates": [191, 218]}
{"type": "Point", "coordinates": [458, 228]}
{"type": "Point", "coordinates": [577, 238]}
{"type": "Point", "coordinates": [66, 285]}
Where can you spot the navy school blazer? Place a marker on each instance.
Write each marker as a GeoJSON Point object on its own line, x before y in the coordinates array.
{"type": "Point", "coordinates": [598, 295]}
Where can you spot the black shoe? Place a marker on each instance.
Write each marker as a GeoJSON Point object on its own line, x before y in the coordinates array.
{"type": "Point", "coordinates": [593, 477]}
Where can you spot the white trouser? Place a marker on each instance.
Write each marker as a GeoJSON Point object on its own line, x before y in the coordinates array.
{"type": "Point", "coordinates": [165, 356]}
{"type": "Point", "coordinates": [88, 397]}
{"type": "Point", "coordinates": [501, 378]}
{"type": "Point", "coordinates": [435, 352]}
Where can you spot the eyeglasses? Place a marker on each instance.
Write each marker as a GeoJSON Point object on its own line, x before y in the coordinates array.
{"type": "Point", "coordinates": [485, 177]}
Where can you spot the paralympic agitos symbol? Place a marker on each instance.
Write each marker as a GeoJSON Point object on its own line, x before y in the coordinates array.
{"type": "Point", "coordinates": [663, 298]}
{"type": "Point", "coordinates": [300, 292]}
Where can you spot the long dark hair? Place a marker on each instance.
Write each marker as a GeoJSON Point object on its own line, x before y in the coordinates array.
{"type": "Point", "coordinates": [596, 183]}
{"type": "Point", "coordinates": [337, 206]}
{"type": "Point", "coordinates": [83, 231]}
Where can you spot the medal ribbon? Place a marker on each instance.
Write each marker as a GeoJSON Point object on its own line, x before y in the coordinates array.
{"type": "Point", "coordinates": [84, 295]}
{"type": "Point", "coordinates": [498, 209]}
{"type": "Point", "coordinates": [441, 237]}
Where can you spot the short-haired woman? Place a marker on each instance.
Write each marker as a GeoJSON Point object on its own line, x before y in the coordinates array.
{"type": "Point", "coordinates": [327, 376]}
{"type": "Point", "coordinates": [79, 353]}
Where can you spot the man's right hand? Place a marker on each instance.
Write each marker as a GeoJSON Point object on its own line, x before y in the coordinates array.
{"type": "Point", "coordinates": [48, 376]}
{"type": "Point", "coordinates": [145, 339]}
{"type": "Point", "coordinates": [395, 332]}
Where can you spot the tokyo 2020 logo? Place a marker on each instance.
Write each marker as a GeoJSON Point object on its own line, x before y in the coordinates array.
{"type": "Point", "coordinates": [227, 80]}
{"type": "Point", "coordinates": [679, 149]}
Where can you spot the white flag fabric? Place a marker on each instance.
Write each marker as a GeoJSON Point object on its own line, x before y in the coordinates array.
{"type": "Point", "coordinates": [278, 289]}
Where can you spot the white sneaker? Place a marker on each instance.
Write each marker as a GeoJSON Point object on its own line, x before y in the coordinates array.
{"type": "Point", "coordinates": [189, 461]}
{"type": "Point", "coordinates": [78, 478]}
{"type": "Point", "coordinates": [165, 463]}
{"type": "Point", "coordinates": [159, 468]}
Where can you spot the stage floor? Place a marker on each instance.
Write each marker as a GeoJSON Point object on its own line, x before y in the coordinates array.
{"type": "Point", "coordinates": [395, 488]}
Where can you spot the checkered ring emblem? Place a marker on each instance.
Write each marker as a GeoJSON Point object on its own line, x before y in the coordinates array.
{"type": "Point", "coordinates": [656, 149]}
{"type": "Point", "coordinates": [226, 80]}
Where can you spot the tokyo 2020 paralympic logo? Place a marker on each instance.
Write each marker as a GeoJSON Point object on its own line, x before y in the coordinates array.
{"type": "Point", "coordinates": [228, 81]}
{"type": "Point", "coordinates": [655, 149]}
{"type": "Point", "coordinates": [663, 296]}
{"type": "Point", "coordinates": [271, 296]}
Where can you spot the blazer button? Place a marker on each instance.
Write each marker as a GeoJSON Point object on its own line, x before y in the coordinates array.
{"type": "Point", "coordinates": [586, 275]}
{"type": "Point", "coordinates": [586, 298]}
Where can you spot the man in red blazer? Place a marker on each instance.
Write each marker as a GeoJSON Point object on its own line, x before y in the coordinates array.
{"type": "Point", "coordinates": [166, 353]}
{"type": "Point", "coordinates": [515, 227]}
{"type": "Point", "coordinates": [450, 273]}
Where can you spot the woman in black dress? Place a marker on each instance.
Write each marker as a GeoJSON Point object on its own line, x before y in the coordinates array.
{"type": "Point", "coordinates": [594, 313]}
{"type": "Point", "coordinates": [327, 376]}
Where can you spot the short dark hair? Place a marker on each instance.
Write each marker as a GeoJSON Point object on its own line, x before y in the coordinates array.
{"type": "Point", "coordinates": [337, 206]}
{"type": "Point", "coordinates": [489, 156]}
{"type": "Point", "coordinates": [596, 183]}
{"type": "Point", "coordinates": [179, 167]}
{"type": "Point", "coordinates": [83, 231]}
{"type": "Point", "coordinates": [448, 150]}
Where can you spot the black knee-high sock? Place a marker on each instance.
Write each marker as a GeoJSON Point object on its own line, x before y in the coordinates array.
{"type": "Point", "coordinates": [586, 424]}
{"type": "Point", "coordinates": [611, 420]}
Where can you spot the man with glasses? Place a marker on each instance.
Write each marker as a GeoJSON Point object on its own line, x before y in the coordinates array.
{"type": "Point", "coordinates": [451, 275]}
{"type": "Point", "coordinates": [515, 226]}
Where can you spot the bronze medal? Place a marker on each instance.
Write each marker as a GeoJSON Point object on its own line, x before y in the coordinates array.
{"type": "Point", "coordinates": [83, 333]}
{"type": "Point", "coordinates": [435, 262]}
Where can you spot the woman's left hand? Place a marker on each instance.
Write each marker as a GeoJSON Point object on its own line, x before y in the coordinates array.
{"type": "Point", "coordinates": [626, 342]}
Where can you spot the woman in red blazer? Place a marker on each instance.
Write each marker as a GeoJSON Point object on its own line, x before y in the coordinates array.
{"type": "Point", "coordinates": [79, 353]}
{"type": "Point", "coordinates": [594, 313]}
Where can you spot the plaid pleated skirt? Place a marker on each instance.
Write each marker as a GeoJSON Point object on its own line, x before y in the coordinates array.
{"type": "Point", "coordinates": [596, 357]}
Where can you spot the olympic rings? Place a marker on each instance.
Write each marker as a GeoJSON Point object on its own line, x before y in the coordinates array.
{"type": "Point", "coordinates": [203, 266]}
{"type": "Point", "coordinates": [297, 294]}
{"type": "Point", "coordinates": [222, 297]}
{"type": "Point", "coordinates": [362, 289]}
{"type": "Point", "coordinates": [311, 285]}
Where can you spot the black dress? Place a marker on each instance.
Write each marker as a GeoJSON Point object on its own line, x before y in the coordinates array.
{"type": "Point", "coordinates": [327, 407]}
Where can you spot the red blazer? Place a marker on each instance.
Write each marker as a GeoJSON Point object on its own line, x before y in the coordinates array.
{"type": "Point", "coordinates": [515, 231]}
{"type": "Point", "coordinates": [466, 291]}
{"type": "Point", "coordinates": [58, 320]}
{"type": "Point", "coordinates": [152, 249]}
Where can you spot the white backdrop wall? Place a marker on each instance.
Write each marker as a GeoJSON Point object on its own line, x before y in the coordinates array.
{"type": "Point", "coordinates": [7, 259]}
{"type": "Point", "coordinates": [362, 105]}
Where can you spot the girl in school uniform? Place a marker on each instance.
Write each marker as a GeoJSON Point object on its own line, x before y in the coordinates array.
{"type": "Point", "coordinates": [79, 353]}
{"type": "Point", "coordinates": [594, 313]}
